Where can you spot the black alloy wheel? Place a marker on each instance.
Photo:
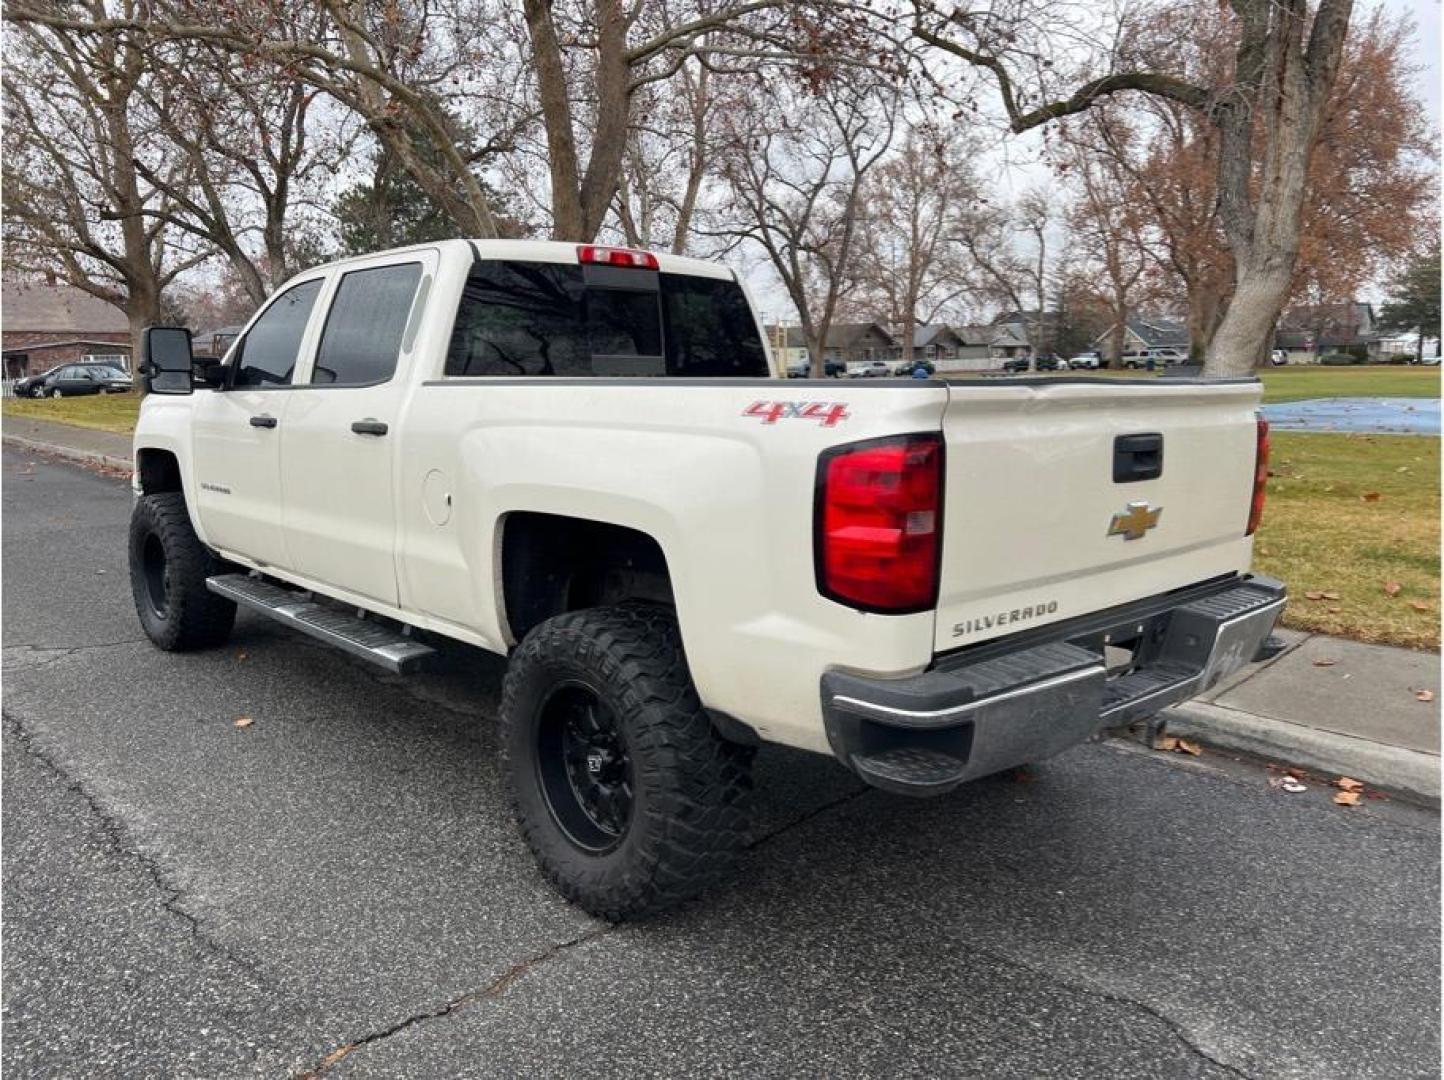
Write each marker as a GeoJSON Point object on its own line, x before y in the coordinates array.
{"type": "Point", "coordinates": [584, 768]}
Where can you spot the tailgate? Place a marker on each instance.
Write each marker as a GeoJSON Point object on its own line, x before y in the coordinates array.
{"type": "Point", "coordinates": [1037, 530]}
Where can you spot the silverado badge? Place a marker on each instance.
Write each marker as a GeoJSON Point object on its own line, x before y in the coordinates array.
{"type": "Point", "coordinates": [1133, 522]}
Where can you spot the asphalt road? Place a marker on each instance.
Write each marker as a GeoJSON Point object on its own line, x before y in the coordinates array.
{"type": "Point", "coordinates": [337, 888]}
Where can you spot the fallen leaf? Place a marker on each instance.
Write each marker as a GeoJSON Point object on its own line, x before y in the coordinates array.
{"type": "Point", "coordinates": [1425, 695]}
{"type": "Point", "coordinates": [1347, 798]}
{"type": "Point", "coordinates": [1328, 488]}
{"type": "Point", "coordinates": [1165, 742]}
{"type": "Point", "coordinates": [1392, 588]}
{"type": "Point", "coordinates": [1314, 595]}
{"type": "Point", "coordinates": [1418, 605]}
{"type": "Point", "coordinates": [244, 721]}
{"type": "Point", "coordinates": [242, 654]}
{"type": "Point", "coordinates": [1186, 747]}
{"type": "Point", "coordinates": [1369, 496]}
{"type": "Point", "coordinates": [1330, 595]}
{"type": "Point", "coordinates": [1292, 786]}
{"type": "Point", "coordinates": [1023, 775]}
{"type": "Point", "coordinates": [1347, 783]}
{"type": "Point", "coordinates": [1402, 468]}
{"type": "Point", "coordinates": [1324, 661]}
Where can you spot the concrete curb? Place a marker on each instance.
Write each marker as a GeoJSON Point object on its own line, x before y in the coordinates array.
{"type": "Point", "coordinates": [87, 457]}
{"type": "Point", "coordinates": [1408, 773]}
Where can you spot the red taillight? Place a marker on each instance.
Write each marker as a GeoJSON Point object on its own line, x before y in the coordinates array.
{"type": "Point", "coordinates": [879, 523]}
{"type": "Point", "coordinates": [611, 256]}
{"type": "Point", "coordinates": [1260, 477]}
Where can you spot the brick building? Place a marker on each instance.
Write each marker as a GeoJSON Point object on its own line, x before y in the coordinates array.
{"type": "Point", "coordinates": [42, 326]}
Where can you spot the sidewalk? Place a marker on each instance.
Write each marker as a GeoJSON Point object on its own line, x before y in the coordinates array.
{"type": "Point", "coordinates": [1358, 716]}
{"type": "Point", "coordinates": [64, 440]}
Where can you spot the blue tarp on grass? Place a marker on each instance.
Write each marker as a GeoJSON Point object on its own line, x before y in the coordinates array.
{"type": "Point", "coordinates": [1379, 416]}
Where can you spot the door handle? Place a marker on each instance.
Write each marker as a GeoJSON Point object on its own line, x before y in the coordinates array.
{"type": "Point", "coordinates": [369, 427]}
{"type": "Point", "coordinates": [263, 421]}
{"type": "Point", "coordinates": [1137, 457]}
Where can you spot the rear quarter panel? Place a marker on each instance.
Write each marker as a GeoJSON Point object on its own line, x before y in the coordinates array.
{"type": "Point", "coordinates": [728, 497]}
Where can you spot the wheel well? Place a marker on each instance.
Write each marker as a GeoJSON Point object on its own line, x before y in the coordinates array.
{"type": "Point", "coordinates": [552, 564]}
{"type": "Point", "coordinates": [159, 471]}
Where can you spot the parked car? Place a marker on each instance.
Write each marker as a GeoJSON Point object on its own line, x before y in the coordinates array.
{"type": "Point", "coordinates": [1017, 365]}
{"type": "Point", "coordinates": [1052, 362]}
{"type": "Point", "coordinates": [1139, 358]}
{"type": "Point", "coordinates": [473, 458]}
{"type": "Point", "coordinates": [802, 369]}
{"type": "Point", "coordinates": [912, 367]}
{"type": "Point", "coordinates": [1278, 357]}
{"type": "Point", "coordinates": [871, 369]}
{"type": "Point", "coordinates": [72, 380]}
{"type": "Point", "coordinates": [1086, 361]}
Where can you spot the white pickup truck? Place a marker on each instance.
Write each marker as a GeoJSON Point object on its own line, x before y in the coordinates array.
{"type": "Point", "coordinates": [585, 459]}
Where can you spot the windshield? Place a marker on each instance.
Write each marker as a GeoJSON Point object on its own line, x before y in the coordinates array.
{"type": "Point", "coordinates": [555, 319]}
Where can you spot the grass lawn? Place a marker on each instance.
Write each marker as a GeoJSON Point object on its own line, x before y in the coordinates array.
{"type": "Point", "coordinates": [1323, 532]}
{"type": "Point", "coordinates": [104, 412]}
{"type": "Point", "coordinates": [1301, 383]}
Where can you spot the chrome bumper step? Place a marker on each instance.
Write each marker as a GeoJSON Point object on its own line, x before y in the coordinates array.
{"type": "Point", "coordinates": [371, 640]}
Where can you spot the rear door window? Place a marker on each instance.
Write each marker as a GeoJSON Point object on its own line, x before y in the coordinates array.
{"type": "Point", "coordinates": [269, 350]}
{"type": "Point", "coordinates": [362, 338]}
{"type": "Point", "coordinates": [557, 319]}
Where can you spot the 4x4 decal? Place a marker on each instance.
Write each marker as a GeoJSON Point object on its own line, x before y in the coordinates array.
{"type": "Point", "coordinates": [827, 413]}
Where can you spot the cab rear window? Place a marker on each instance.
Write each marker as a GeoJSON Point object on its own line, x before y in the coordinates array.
{"type": "Point", "coordinates": [551, 319]}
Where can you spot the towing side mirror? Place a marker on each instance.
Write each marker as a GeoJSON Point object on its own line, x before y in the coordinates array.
{"type": "Point", "coordinates": [166, 360]}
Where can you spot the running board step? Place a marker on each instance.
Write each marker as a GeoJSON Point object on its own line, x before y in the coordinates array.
{"type": "Point", "coordinates": [365, 638]}
{"type": "Point", "coordinates": [911, 770]}
{"type": "Point", "coordinates": [1135, 696]}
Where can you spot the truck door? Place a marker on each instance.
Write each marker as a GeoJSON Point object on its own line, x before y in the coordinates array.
{"type": "Point", "coordinates": [338, 443]}
{"type": "Point", "coordinates": [237, 431]}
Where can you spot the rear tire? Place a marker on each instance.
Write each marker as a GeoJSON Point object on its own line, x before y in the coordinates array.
{"type": "Point", "coordinates": [55, 392]}
{"type": "Point", "coordinates": [168, 570]}
{"type": "Point", "coordinates": [630, 800]}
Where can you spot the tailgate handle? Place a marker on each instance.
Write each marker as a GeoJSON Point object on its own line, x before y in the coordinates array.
{"type": "Point", "coordinates": [1137, 457]}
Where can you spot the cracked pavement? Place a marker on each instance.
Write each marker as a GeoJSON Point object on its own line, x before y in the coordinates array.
{"type": "Point", "coordinates": [337, 890]}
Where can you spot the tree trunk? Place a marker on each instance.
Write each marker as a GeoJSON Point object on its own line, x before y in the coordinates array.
{"type": "Point", "coordinates": [816, 365]}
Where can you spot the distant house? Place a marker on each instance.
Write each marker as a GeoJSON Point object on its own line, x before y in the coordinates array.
{"type": "Point", "coordinates": [936, 342]}
{"type": "Point", "coordinates": [976, 351]}
{"type": "Point", "coordinates": [215, 343]}
{"type": "Point", "coordinates": [1307, 331]}
{"type": "Point", "coordinates": [1147, 333]}
{"type": "Point", "coordinates": [848, 343]}
{"type": "Point", "coordinates": [44, 325]}
{"type": "Point", "coordinates": [857, 343]}
{"type": "Point", "coordinates": [1009, 341]}
{"type": "Point", "coordinates": [1045, 328]}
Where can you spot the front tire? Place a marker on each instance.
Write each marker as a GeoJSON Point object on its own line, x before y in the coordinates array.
{"type": "Point", "coordinates": [629, 799]}
{"type": "Point", "coordinates": [168, 570]}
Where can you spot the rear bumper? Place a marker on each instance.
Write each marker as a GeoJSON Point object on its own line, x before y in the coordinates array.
{"type": "Point", "coordinates": [994, 707]}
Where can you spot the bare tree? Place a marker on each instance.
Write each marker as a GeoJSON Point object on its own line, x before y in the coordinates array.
{"type": "Point", "coordinates": [795, 171]}
{"type": "Point", "coordinates": [245, 149]}
{"type": "Point", "coordinates": [395, 65]}
{"type": "Point", "coordinates": [1285, 61]}
{"type": "Point", "coordinates": [76, 204]}
{"type": "Point", "coordinates": [1108, 228]}
{"type": "Point", "coordinates": [914, 202]}
{"type": "Point", "coordinates": [1008, 248]}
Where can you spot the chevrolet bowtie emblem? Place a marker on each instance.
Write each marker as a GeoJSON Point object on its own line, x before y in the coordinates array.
{"type": "Point", "coordinates": [1132, 523]}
